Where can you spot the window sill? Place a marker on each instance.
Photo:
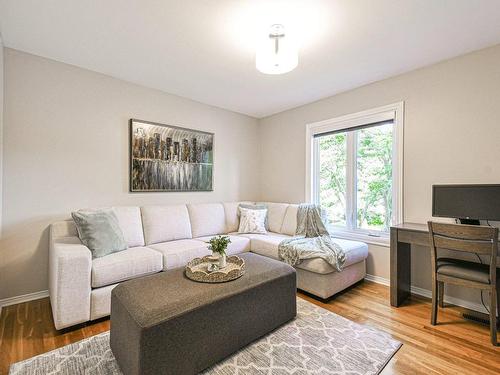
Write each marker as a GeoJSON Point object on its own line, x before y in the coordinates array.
{"type": "Point", "coordinates": [383, 241]}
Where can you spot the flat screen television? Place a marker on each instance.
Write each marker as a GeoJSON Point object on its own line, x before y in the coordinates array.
{"type": "Point", "coordinates": [469, 203]}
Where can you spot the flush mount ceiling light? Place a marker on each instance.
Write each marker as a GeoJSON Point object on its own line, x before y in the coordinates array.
{"type": "Point", "coordinates": [276, 54]}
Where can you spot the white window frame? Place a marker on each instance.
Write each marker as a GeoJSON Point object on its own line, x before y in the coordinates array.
{"type": "Point", "coordinates": [393, 112]}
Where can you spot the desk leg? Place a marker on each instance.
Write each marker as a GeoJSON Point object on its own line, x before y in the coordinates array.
{"type": "Point", "coordinates": [400, 269]}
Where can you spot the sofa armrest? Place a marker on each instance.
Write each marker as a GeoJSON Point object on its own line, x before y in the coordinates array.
{"type": "Point", "coordinates": [70, 264]}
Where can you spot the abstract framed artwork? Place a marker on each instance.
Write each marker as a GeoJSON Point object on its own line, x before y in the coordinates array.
{"type": "Point", "coordinates": [166, 158]}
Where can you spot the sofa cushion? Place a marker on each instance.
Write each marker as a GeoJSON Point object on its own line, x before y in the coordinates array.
{"type": "Point", "coordinates": [275, 215]}
{"type": "Point", "coordinates": [289, 226]}
{"type": "Point", "coordinates": [232, 215]}
{"type": "Point", "coordinates": [130, 222]}
{"type": "Point", "coordinates": [165, 223]}
{"type": "Point", "coordinates": [267, 245]}
{"type": "Point", "coordinates": [239, 244]}
{"type": "Point", "coordinates": [179, 253]}
{"type": "Point", "coordinates": [207, 219]}
{"type": "Point", "coordinates": [125, 265]}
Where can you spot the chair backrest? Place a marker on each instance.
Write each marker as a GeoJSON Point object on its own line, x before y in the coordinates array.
{"type": "Point", "coordinates": [465, 238]}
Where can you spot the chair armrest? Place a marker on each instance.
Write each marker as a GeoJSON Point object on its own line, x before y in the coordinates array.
{"type": "Point", "coordinates": [70, 264]}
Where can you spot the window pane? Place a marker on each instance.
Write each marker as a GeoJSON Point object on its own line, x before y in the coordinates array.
{"type": "Point", "coordinates": [374, 177]}
{"type": "Point", "coordinates": [332, 177]}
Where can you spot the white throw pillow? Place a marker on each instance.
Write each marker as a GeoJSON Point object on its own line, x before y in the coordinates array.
{"type": "Point", "coordinates": [252, 221]}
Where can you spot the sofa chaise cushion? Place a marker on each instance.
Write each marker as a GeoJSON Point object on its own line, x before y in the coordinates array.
{"type": "Point", "coordinates": [165, 223]}
{"type": "Point", "coordinates": [125, 265]}
{"type": "Point", "coordinates": [239, 244]}
{"type": "Point", "coordinates": [179, 253]}
{"type": "Point", "coordinates": [267, 245]}
{"type": "Point", "coordinates": [207, 219]}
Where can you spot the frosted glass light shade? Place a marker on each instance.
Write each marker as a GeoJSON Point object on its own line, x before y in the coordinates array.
{"type": "Point", "coordinates": [276, 54]}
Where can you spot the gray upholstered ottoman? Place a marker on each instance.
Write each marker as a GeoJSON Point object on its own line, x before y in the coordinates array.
{"type": "Point", "coordinates": [168, 324]}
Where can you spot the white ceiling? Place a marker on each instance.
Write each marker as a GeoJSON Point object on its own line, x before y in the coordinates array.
{"type": "Point", "coordinates": [204, 49]}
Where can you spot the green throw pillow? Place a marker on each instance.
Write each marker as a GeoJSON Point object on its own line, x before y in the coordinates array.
{"type": "Point", "coordinates": [100, 231]}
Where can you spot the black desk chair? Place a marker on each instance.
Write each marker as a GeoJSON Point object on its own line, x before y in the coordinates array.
{"type": "Point", "coordinates": [476, 239]}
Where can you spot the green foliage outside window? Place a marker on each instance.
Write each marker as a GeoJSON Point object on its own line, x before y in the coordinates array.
{"type": "Point", "coordinates": [373, 160]}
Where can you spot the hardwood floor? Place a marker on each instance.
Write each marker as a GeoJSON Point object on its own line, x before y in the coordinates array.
{"type": "Point", "coordinates": [454, 346]}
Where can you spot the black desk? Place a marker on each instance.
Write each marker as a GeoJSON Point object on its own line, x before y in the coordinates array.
{"type": "Point", "coordinates": [402, 237]}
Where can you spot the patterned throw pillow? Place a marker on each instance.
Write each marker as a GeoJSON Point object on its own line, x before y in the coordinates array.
{"type": "Point", "coordinates": [252, 221]}
{"type": "Point", "coordinates": [254, 206]}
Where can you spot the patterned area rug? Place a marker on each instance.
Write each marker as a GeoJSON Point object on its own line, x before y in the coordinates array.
{"type": "Point", "coordinates": [316, 342]}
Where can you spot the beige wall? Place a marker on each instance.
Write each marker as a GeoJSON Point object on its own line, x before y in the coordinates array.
{"type": "Point", "coordinates": [452, 135]}
{"type": "Point", "coordinates": [66, 147]}
{"type": "Point", "coordinates": [1, 131]}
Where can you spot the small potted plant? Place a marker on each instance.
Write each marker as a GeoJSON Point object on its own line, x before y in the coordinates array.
{"type": "Point", "coordinates": [218, 245]}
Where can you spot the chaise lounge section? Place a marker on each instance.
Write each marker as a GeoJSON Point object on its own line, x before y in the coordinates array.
{"type": "Point", "coordinates": [161, 238]}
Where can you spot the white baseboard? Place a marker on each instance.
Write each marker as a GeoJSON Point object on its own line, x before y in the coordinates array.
{"type": "Point", "coordinates": [427, 293]}
{"type": "Point", "coordinates": [378, 279]}
{"type": "Point", "coordinates": [23, 298]}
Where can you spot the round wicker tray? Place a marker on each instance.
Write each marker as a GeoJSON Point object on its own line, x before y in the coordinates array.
{"type": "Point", "coordinates": [197, 270]}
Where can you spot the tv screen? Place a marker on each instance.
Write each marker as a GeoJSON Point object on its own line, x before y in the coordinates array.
{"type": "Point", "coordinates": [480, 202]}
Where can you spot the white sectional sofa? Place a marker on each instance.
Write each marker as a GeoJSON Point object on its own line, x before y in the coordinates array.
{"type": "Point", "coordinates": [166, 237]}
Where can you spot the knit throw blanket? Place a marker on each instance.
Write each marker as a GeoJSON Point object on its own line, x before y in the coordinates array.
{"type": "Point", "coordinates": [311, 240]}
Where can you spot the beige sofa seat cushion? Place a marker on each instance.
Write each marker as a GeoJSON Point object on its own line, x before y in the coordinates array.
{"type": "Point", "coordinates": [178, 253]}
{"type": "Point", "coordinates": [239, 244]}
{"type": "Point", "coordinates": [130, 221]}
{"type": "Point", "coordinates": [289, 226]}
{"type": "Point", "coordinates": [267, 245]}
{"type": "Point", "coordinates": [207, 219]}
{"type": "Point", "coordinates": [165, 223]}
{"type": "Point", "coordinates": [275, 215]}
{"type": "Point", "coordinates": [125, 265]}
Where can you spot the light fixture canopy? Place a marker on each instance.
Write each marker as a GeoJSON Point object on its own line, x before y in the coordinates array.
{"type": "Point", "coordinates": [276, 54]}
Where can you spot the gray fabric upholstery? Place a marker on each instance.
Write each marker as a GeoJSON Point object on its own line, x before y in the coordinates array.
{"type": "Point", "coordinates": [464, 270]}
{"type": "Point", "coordinates": [100, 231]}
{"type": "Point", "coordinates": [168, 324]}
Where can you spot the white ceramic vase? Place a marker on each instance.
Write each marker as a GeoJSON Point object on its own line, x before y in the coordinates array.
{"type": "Point", "coordinates": [222, 260]}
